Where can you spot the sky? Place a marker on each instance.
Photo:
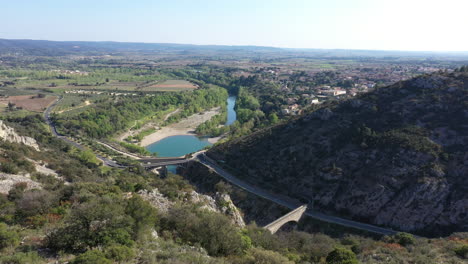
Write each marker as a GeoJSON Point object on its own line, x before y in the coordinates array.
{"type": "Point", "coordinates": [425, 25]}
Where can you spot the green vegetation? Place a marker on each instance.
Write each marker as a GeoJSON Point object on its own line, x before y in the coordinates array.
{"type": "Point", "coordinates": [462, 251]}
{"type": "Point", "coordinates": [341, 256]}
{"type": "Point", "coordinates": [214, 127]}
{"type": "Point", "coordinates": [107, 118]}
{"type": "Point", "coordinates": [100, 218]}
{"type": "Point", "coordinates": [8, 238]}
{"type": "Point", "coordinates": [135, 148]}
{"type": "Point", "coordinates": [89, 213]}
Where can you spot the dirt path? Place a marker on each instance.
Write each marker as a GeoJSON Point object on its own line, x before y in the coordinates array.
{"type": "Point", "coordinates": [86, 103]}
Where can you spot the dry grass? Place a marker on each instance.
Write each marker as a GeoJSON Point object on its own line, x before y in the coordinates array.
{"type": "Point", "coordinates": [28, 102]}
{"type": "Point", "coordinates": [172, 86]}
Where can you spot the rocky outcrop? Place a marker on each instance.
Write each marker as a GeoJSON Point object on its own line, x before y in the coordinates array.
{"type": "Point", "coordinates": [227, 207]}
{"type": "Point", "coordinates": [156, 199]}
{"type": "Point", "coordinates": [8, 181]}
{"type": "Point", "coordinates": [8, 134]}
{"type": "Point", "coordinates": [221, 203]}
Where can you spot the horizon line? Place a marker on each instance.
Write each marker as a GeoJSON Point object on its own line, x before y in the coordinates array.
{"type": "Point", "coordinates": [244, 45]}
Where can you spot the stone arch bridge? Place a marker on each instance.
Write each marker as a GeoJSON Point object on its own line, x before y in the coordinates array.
{"type": "Point", "coordinates": [292, 216]}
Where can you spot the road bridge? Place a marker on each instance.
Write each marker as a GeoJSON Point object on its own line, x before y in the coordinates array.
{"type": "Point", "coordinates": [152, 163]}
{"type": "Point", "coordinates": [288, 202]}
{"type": "Point", "coordinates": [292, 216]}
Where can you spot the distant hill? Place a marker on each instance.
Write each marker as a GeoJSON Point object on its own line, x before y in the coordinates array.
{"type": "Point", "coordinates": [27, 47]}
{"type": "Point", "coordinates": [395, 157]}
{"type": "Point", "coordinates": [60, 48]}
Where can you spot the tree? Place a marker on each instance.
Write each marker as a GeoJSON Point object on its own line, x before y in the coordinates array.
{"type": "Point", "coordinates": [261, 256]}
{"type": "Point", "coordinates": [143, 214]}
{"type": "Point", "coordinates": [405, 239]}
{"type": "Point", "coordinates": [7, 238]}
{"type": "Point", "coordinates": [99, 222]}
{"type": "Point", "coordinates": [462, 251]}
{"type": "Point", "coordinates": [91, 257]}
{"type": "Point", "coordinates": [273, 118]}
{"type": "Point", "coordinates": [341, 256]}
{"type": "Point", "coordinates": [213, 231]}
{"type": "Point", "coordinates": [11, 106]}
{"type": "Point", "coordinates": [119, 253]}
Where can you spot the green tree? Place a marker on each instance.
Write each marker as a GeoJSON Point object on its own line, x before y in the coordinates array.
{"type": "Point", "coordinates": [273, 118]}
{"type": "Point", "coordinates": [462, 251]}
{"type": "Point", "coordinates": [99, 222]}
{"type": "Point", "coordinates": [119, 253]}
{"type": "Point", "coordinates": [213, 231]}
{"type": "Point", "coordinates": [7, 238]}
{"type": "Point", "coordinates": [341, 256]}
{"type": "Point", "coordinates": [91, 257]}
{"type": "Point", "coordinates": [143, 214]}
{"type": "Point", "coordinates": [262, 256]}
{"type": "Point", "coordinates": [404, 239]}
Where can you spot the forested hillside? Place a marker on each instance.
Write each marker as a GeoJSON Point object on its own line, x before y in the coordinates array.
{"type": "Point", "coordinates": [58, 204]}
{"type": "Point", "coordinates": [394, 157]}
{"type": "Point", "coordinates": [117, 114]}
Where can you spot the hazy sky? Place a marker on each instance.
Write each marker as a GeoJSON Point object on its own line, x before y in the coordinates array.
{"type": "Point", "coordinates": [345, 24]}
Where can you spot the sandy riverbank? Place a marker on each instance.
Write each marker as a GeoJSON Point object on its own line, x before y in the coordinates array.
{"type": "Point", "coordinates": [130, 132]}
{"type": "Point", "coordinates": [186, 126]}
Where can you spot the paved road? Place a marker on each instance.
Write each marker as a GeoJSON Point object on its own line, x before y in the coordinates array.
{"type": "Point", "coordinates": [54, 131]}
{"type": "Point", "coordinates": [202, 158]}
{"type": "Point", "coordinates": [289, 203]}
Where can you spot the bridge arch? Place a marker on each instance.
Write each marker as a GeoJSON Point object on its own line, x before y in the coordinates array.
{"type": "Point", "coordinates": [292, 216]}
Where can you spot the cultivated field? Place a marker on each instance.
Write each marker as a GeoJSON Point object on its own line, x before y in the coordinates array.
{"type": "Point", "coordinates": [171, 86]}
{"type": "Point", "coordinates": [28, 102]}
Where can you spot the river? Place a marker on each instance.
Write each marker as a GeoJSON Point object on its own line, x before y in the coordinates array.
{"type": "Point", "coordinates": [176, 146]}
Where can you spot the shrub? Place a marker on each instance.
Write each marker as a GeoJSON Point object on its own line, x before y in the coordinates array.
{"type": "Point", "coordinates": [9, 168]}
{"type": "Point", "coordinates": [22, 258]}
{"type": "Point", "coordinates": [143, 214]}
{"type": "Point", "coordinates": [91, 257]}
{"type": "Point", "coordinates": [213, 231]}
{"type": "Point", "coordinates": [261, 256]}
{"type": "Point", "coordinates": [119, 253]}
{"type": "Point", "coordinates": [404, 239]}
{"type": "Point", "coordinates": [17, 191]}
{"type": "Point", "coordinates": [341, 256]}
{"type": "Point", "coordinates": [98, 222]}
{"type": "Point", "coordinates": [34, 202]}
{"type": "Point", "coordinates": [462, 251]}
{"type": "Point", "coordinates": [7, 238]}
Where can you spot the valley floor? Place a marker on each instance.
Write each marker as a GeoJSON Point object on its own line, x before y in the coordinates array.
{"type": "Point", "coordinates": [186, 126]}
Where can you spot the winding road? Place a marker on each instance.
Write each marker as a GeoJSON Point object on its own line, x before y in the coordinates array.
{"type": "Point", "coordinates": [288, 202]}
{"type": "Point", "coordinates": [211, 164]}
{"type": "Point", "coordinates": [53, 129]}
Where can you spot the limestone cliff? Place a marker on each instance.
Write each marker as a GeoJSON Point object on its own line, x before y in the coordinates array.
{"type": "Point", "coordinates": [8, 134]}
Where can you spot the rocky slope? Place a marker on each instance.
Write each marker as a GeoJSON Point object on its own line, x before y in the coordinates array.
{"type": "Point", "coordinates": [396, 157]}
{"type": "Point", "coordinates": [8, 134]}
{"type": "Point", "coordinates": [219, 203]}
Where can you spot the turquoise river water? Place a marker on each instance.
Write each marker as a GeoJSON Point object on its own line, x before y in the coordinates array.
{"type": "Point", "coordinates": [176, 146]}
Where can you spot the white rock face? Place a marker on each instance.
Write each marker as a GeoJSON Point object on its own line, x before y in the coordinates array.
{"type": "Point", "coordinates": [156, 199]}
{"type": "Point", "coordinates": [8, 134]}
{"type": "Point", "coordinates": [227, 207]}
{"type": "Point", "coordinates": [220, 203]}
{"type": "Point", "coordinates": [8, 181]}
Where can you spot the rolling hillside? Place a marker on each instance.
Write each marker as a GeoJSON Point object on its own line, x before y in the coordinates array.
{"type": "Point", "coordinates": [395, 157]}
